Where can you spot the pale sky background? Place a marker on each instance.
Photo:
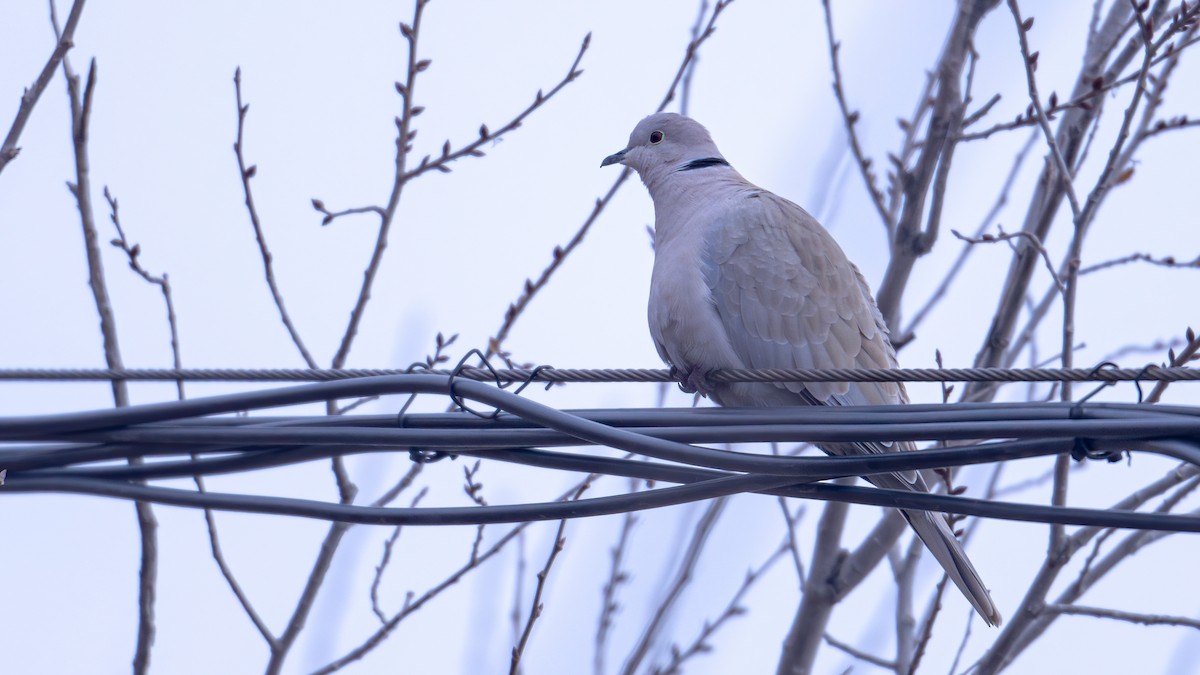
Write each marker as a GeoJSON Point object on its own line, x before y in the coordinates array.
{"type": "Point", "coordinates": [318, 78]}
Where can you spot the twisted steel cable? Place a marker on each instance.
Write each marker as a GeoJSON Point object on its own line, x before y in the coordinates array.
{"type": "Point", "coordinates": [548, 374]}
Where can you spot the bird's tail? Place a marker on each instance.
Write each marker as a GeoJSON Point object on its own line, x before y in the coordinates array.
{"type": "Point", "coordinates": [930, 526]}
{"type": "Point", "coordinates": [933, 530]}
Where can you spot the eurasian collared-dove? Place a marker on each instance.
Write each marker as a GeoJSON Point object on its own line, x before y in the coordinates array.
{"type": "Point", "coordinates": [746, 279]}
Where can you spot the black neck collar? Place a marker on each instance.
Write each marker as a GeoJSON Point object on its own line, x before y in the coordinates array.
{"type": "Point", "coordinates": [703, 163]}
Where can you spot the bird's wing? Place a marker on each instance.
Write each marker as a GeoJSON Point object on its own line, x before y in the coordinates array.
{"type": "Point", "coordinates": [789, 298]}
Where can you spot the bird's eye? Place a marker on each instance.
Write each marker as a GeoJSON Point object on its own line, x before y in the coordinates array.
{"type": "Point", "coordinates": [656, 137]}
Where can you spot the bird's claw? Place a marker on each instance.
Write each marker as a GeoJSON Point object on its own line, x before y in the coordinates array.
{"type": "Point", "coordinates": [694, 380]}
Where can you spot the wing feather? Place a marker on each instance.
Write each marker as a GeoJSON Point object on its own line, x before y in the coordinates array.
{"type": "Point", "coordinates": [789, 298]}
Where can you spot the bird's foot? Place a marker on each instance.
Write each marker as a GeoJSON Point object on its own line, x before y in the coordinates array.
{"type": "Point", "coordinates": [694, 380]}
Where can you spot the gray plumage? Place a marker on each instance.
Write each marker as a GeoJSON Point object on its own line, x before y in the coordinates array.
{"type": "Point", "coordinates": [746, 279]}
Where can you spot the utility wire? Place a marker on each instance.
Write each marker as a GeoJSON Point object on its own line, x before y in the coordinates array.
{"type": "Point", "coordinates": [86, 452]}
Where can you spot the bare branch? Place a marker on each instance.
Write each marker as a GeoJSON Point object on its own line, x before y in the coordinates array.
{"type": "Point", "coordinates": [685, 86]}
{"type": "Point", "coordinates": [1164, 261]}
{"type": "Point", "coordinates": [330, 216]}
{"type": "Point", "coordinates": [683, 577]}
{"type": "Point", "coordinates": [477, 559]}
{"type": "Point", "coordinates": [132, 251]}
{"type": "Point", "coordinates": [960, 262]}
{"type": "Point", "coordinates": [691, 52]}
{"type": "Point", "coordinates": [1088, 100]}
{"type": "Point", "coordinates": [616, 577]}
{"type": "Point", "coordinates": [1120, 615]}
{"type": "Point", "coordinates": [1029, 624]}
{"type": "Point", "coordinates": [1009, 236]}
{"type": "Point", "coordinates": [860, 654]}
{"type": "Point", "coordinates": [1189, 353]}
{"type": "Point", "coordinates": [29, 98]}
{"type": "Point", "coordinates": [793, 544]}
{"type": "Point", "coordinates": [1065, 174]}
{"type": "Point", "coordinates": [1049, 194]}
{"type": "Point", "coordinates": [930, 172]}
{"type": "Point", "coordinates": [404, 138]}
{"type": "Point", "coordinates": [978, 115]}
{"type": "Point", "coordinates": [81, 189]}
{"type": "Point", "coordinates": [488, 136]}
{"type": "Point", "coordinates": [535, 610]}
{"type": "Point", "coordinates": [559, 255]}
{"type": "Point", "coordinates": [927, 625]}
{"type": "Point", "coordinates": [733, 609]}
{"type": "Point", "coordinates": [246, 173]}
{"type": "Point", "coordinates": [820, 594]}
{"type": "Point", "coordinates": [849, 119]}
{"type": "Point", "coordinates": [388, 545]}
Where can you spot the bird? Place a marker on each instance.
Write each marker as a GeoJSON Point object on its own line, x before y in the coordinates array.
{"type": "Point", "coordinates": [745, 279]}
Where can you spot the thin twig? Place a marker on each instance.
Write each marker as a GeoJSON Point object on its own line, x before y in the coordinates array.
{"type": "Point", "coordinates": [1165, 261]}
{"type": "Point", "coordinates": [1030, 61]}
{"type": "Point", "coordinates": [1030, 240]}
{"type": "Point", "coordinates": [1049, 194]}
{"type": "Point", "coordinates": [685, 87]}
{"type": "Point", "coordinates": [1082, 219]}
{"type": "Point", "coordinates": [931, 616]}
{"type": "Point", "coordinates": [1027, 625]}
{"type": "Point", "coordinates": [81, 113]}
{"type": "Point", "coordinates": [1149, 125]}
{"type": "Point", "coordinates": [218, 554]}
{"type": "Point", "coordinates": [246, 173]}
{"type": "Point", "coordinates": [1121, 615]}
{"type": "Point", "coordinates": [792, 522]}
{"type": "Point", "coordinates": [132, 252]}
{"type": "Point", "coordinates": [608, 596]}
{"type": "Point", "coordinates": [495, 344]}
{"type": "Point", "coordinates": [404, 175]}
{"type": "Point", "coordinates": [683, 577]}
{"type": "Point", "coordinates": [820, 593]}
{"type": "Point", "coordinates": [1185, 356]}
{"type": "Point", "coordinates": [514, 614]}
{"type": "Point", "coordinates": [978, 115]}
{"type": "Point", "coordinates": [904, 571]}
{"type": "Point", "coordinates": [486, 135]}
{"type": "Point", "coordinates": [404, 137]}
{"type": "Point", "coordinates": [909, 145]}
{"type": "Point", "coordinates": [859, 654]}
{"type": "Point", "coordinates": [386, 558]}
{"type": "Point", "coordinates": [962, 644]}
{"type": "Point", "coordinates": [849, 120]}
{"type": "Point", "coordinates": [410, 607]}
{"type": "Point", "coordinates": [1097, 546]}
{"type": "Point", "coordinates": [1110, 173]}
{"type": "Point", "coordinates": [1094, 97]}
{"type": "Point", "coordinates": [1187, 481]}
{"type": "Point", "coordinates": [1136, 349]}
{"type": "Point", "coordinates": [733, 609]}
{"type": "Point", "coordinates": [536, 608]}
{"type": "Point", "coordinates": [29, 98]}
{"type": "Point", "coordinates": [924, 184]}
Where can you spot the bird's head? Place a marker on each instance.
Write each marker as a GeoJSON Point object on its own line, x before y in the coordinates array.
{"type": "Point", "coordinates": [664, 143]}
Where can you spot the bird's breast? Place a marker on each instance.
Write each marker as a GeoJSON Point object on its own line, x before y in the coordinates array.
{"type": "Point", "coordinates": [684, 323]}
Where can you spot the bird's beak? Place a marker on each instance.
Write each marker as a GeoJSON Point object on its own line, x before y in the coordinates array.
{"type": "Point", "coordinates": [615, 158]}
